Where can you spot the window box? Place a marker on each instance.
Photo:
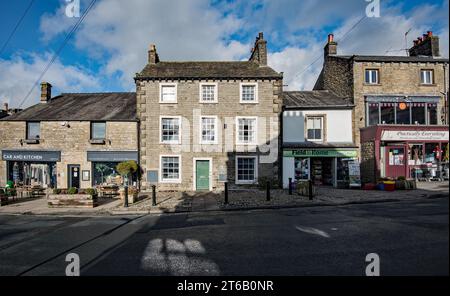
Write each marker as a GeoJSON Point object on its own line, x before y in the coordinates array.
{"type": "Point", "coordinates": [31, 141]}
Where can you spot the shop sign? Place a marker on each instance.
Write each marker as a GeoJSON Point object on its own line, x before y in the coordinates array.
{"type": "Point", "coordinates": [112, 156]}
{"type": "Point", "coordinates": [28, 155]}
{"type": "Point", "coordinates": [414, 135]}
{"type": "Point", "coordinates": [320, 153]}
{"type": "Point", "coordinates": [354, 174]}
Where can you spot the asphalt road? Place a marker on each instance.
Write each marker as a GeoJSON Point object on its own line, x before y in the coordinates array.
{"type": "Point", "coordinates": [410, 237]}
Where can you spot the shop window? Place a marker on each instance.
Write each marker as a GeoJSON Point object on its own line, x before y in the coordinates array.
{"type": "Point", "coordinates": [432, 152]}
{"type": "Point", "coordinates": [98, 130]}
{"type": "Point", "coordinates": [105, 173]}
{"type": "Point", "coordinates": [415, 154]}
{"type": "Point", "coordinates": [388, 113]}
{"type": "Point", "coordinates": [342, 169]}
{"type": "Point", "coordinates": [432, 114]}
{"type": "Point", "coordinates": [301, 168]}
{"type": "Point", "coordinates": [314, 128]}
{"type": "Point", "coordinates": [403, 113]}
{"type": "Point", "coordinates": [418, 113]}
{"type": "Point", "coordinates": [33, 130]}
{"type": "Point", "coordinates": [374, 114]}
{"type": "Point", "coordinates": [32, 173]}
{"type": "Point", "coordinates": [396, 156]}
{"type": "Point", "coordinates": [246, 170]}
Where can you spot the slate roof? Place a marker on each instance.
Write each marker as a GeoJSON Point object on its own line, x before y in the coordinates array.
{"type": "Point", "coordinates": [201, 70]}
{"type": "Point", "coordinates": [314, 99]}
{"type": "Point", "coordinates": [385, 58]}
{"type": "Point", "coordinates": [113, 106]}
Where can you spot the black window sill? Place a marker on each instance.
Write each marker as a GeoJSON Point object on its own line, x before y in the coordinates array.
{"type": "Point", "coordinates": [97, 141]}
{"type": "Point", "coordinates": [31, 141]}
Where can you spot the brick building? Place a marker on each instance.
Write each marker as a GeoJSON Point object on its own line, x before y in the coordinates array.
{"type": "Point", "coordinates": [71, 140]}
{"type": "Point", "coordinates": [202, 123]}
{"type": "Point", "coordinates": [403, 91]}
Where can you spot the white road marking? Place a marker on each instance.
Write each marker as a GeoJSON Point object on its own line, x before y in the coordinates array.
{"type": "Point", "coordinates": [312, 230]}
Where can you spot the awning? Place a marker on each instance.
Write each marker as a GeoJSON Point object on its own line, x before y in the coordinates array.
{"type": "Point", "coordinates": [112, 156]}
{"type": "Point", "coordinates": [31, 155]}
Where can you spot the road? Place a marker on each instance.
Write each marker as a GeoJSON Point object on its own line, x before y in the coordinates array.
{"type": "Point", "coordinates": [410, 237]}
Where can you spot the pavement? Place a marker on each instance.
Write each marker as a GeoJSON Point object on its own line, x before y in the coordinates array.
{"type": "Point", "coordinates": [176, 202]}
{"type": "Point", "coordinates": [410, 237]}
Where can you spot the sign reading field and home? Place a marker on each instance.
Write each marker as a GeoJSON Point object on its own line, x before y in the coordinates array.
{"type": "Point", "coordinates": [348, 153]}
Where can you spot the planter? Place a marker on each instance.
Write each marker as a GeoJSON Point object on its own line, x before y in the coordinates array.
{"type": "Point", "coordinates": [369, 186]}
{"type": "Point", "coordinates": [303, 188]}
{"type": "Point", "coordinates": [389, 185]}
{"type": "Point", "coordinates": [72, 201]}
{"type": "Point", "coordinates": [400, 184]}
{"type": "Point", "coordinates": [380, 186]}
{"type": "Point", "coordinates": [3, 200]}
{"type": "Point", "coordinates": [132, 195]}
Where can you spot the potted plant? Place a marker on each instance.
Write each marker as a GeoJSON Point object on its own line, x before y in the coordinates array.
{"type": "Point", "coordinates": [3, 197]}
{"type": "Point", "coordinates": [400, 183]}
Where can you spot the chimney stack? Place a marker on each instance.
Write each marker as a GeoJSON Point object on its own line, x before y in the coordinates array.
{"type": "Point", "coordinates": [331, 46]}
{"type": "Point", "coordinates": [153, 57]}
{"type": "Point", "coordinates": [259, 51]}
{"type": "Point", "coordinates": [5, 107]}
{"type": "Point", "coordinates": [46, 92]}
{"type": "Point", "coordinates": [426, 45]}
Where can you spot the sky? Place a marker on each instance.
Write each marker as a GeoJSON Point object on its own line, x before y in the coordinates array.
{"type": "Point", "coordinates": [111, 43]}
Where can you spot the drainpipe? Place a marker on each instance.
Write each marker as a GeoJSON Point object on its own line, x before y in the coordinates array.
{"type": "Point", "coordinates": [445, 95]}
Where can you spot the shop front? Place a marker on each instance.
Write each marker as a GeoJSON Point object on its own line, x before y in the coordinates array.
{"type": "Point", "coordinates": [31, 167]}
{"type": "Point", "coordinates": [324, 166]}
{"type": "Point", "coordinates": [408, 151]}
{"type": "Point", "coordinates": [104, 165]}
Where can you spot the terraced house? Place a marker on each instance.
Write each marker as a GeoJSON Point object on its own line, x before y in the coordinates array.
{"type": "Point", "coordinates": [203, 123]}
{"type": "Point", "coordinates": [69, 140]}
{"type": "Point", "coordinates": [400, 118]}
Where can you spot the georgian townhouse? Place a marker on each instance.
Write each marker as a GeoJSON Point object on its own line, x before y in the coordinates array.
{"type": "Point", "coordinates": [70, 140]}
{"type": "Point", "coordinates": [400, 117]}
{"type": "Point", "coordinates": [203, 123]}
{"type": "Point", "coordinates": [317, 138]}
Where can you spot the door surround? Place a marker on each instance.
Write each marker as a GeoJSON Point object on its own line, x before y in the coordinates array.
{"type": "Point", "coordinates": [194, 169]}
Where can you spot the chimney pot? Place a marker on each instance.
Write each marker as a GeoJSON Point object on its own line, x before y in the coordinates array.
{"type": "Point", "coordinates": [261, 35]}
{"type": "Point", "coordinates": [330, 38]}
{"type": "Point", "coordinates": [430, 33]}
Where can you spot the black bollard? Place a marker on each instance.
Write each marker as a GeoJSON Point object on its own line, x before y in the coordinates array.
{"type": "Point", "coordinates": [310, 189]}
{"type": "Point", "coordinates": [290, 186]}
{"type": "Point", "coordinates": [268, 191]}
{"type": "Point", "coordinates": [226, 192]}
{"type": "Point", "coordinates": [125, 202]}
{"type": "Point", "coordinates": [153, 195]}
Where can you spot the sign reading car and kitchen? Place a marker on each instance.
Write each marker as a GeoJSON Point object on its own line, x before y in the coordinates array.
{"type": "Point", "coordinates": [414, 135]}
{"type": "Point", "coordinates": [28, 155]}
{"type": "Point", "coordinates": [319, 153]}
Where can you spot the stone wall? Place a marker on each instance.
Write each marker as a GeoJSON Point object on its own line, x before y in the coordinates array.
{"type": "Point", "coordinates": [368, 162]}
{"type": "Point", "coordinates": [73, 142]}
{"type": "Point", "coordinates": [226, 109]}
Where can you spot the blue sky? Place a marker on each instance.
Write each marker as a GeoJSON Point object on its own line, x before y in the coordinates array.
{"type": "Point", "coordinates": [111, 44]}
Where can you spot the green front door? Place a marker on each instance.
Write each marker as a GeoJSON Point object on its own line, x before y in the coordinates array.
{"type": "Point", "coordinates": [202, 175]}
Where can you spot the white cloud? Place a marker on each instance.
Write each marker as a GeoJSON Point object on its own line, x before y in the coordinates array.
{"type": "Point", "coordinates": [20, 73]}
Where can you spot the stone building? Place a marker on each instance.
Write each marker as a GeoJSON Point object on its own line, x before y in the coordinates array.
{"type": "Point", "coordinates": [203, 123]}
{"type": "Point", "coordinates": [70, 140]}
{"type": "Point", "coordinates": [405, 91]}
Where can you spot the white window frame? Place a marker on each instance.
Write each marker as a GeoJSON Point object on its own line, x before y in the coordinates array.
{"type": "Point", "coordinates": [216, 91]}
{"type": "Point", "coordinates": [422, 76]}
{"type": "Point", "coordinates": [216, 134]}
{"type": "Point", "coordinates": [161, 131]}
{"type": "Point", "coordinates": [377, 81]}
{"type": "Point", "coordinates": [255, 180]}
{"type": "Point", "coordinates": [322, 125]}
{"type": "Point", "coordinates": [255, 142]}
{"type": "Point", "coordinates": [241, 85]}
{"type": "Point", "coordinates": [168, 181]}
{"type": "Point", "coordinates": [161, 85]}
